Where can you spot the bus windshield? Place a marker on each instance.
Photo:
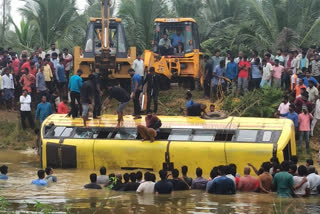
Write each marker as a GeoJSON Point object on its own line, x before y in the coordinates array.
{"type": "Point", "coordinates": [183, 37]}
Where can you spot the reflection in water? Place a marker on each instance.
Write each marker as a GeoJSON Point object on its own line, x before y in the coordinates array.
{"type": "Point", "coordinates": [69, 192]}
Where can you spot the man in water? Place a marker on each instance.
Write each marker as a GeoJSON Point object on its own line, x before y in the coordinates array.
{"type": "Point", "coordinates": [93, 184]}
{"type": "Point", "coordinates": [4, 171]}
{"type": "Point", "coordinates": [50, 177]}
{"type": "Point", "coordinates": [163, 186]}
{"type": "Point", "coordinates": [40, 181]}
{"type": "Point", "coordinates": [103, 178]}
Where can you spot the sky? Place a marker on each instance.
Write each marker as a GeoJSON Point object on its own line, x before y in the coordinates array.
{"type": "Point", "coordinates": [16, 4]}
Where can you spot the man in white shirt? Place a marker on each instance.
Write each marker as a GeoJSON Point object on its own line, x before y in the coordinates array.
{"type": "Point", "coordinates": [103, 179]}
{"type": "Point", "coordinates": [284, 107]}
{"type": "Point", "coordinates": [304, 189]}
{"type": "Point", "coordinates": [25, 109]}
{"type": "Point", "coordinates": [53, 49]}
{"type": "Point", "coordinates": [294, 62]}
{"type": "Point", "coordinates": [313, 179]}
{"type": "Point", "coordinates": [313, 92]}
{"type": "Point", "coordinates": [267, 71]}
{"type": "Point", "coordinates": [41, 53]}
{"type": "Point", "coordinates": [68, 60]}
{"type": "Point", "coordinates": [7, 87]}
{"type": "Point", "coordinates": [147, 186]}
{"type": "Point", "coordinates": [316, 116]}
{"type": "Point", "coordinates": [138, 66]}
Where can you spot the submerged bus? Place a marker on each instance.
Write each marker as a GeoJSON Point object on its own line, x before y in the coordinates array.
{"type": "Point", "coordinates": [190, 141]}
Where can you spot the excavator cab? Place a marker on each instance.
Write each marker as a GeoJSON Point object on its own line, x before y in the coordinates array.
{"type": "Point", "coordinates": [182, 61]}
{"type": "Point", "coordinates": [117, 40]}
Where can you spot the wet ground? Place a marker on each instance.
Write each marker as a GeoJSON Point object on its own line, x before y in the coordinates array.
{"type": "Point", "coordinates": [68, 194]}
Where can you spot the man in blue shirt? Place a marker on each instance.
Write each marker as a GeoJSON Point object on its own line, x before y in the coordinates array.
{"type": "Point", "coordinates": [61, 78]}
{"type": "Point", "coordinates": [4, 171]}
{"type": "Point", "coordinates": [135, 93]}
{"type": "Point", "coordinates": [216, 59]}
{"type": "Point", "coordinates": [292, 115]}
{"type": "Point", "coordinates": [218, 73]}
{"type": "Point", "coordinates": [178, 41]}
{"type": "Point", "coordinates": [40, 181]}
{"type": "Point", "coordinates": [163, 186]}
{"type": "Point", "coordinates": [75, 84]}
{"type": "Point", "coordinates": [222, 185]}
{"type": "Point", "coordinates": [232, 73]}
{"type": "Point", "coordinates": [256, 73]}
{"type": "Point", "coordinates": [309, 77]}
{"type": "Point", "coordinates": [44, 109]}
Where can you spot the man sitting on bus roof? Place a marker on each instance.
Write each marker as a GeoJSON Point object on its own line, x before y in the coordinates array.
{"type": "Point", "coordinates": [178, 41]}
{"type": "Point", "coordinates": [165, 46]}
{"type": "Point", "coordinates": [149, 132]}
{"type": "Point", "coordinates": [196, 109]}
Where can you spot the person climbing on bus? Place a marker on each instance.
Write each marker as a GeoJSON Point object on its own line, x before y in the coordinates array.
{"type": "Point", "coordinates": [122, 96]}
{"type": "Point", "coordinates": [165, 46]}
{"type": "Point", "coordinates": [149, 132]}
{"type": "Point", "coordinates": [197, 109]}
{"type": "Point", "coordinates": [86, 94]}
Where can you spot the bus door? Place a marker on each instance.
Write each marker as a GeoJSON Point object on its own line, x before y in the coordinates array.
{"type": "Point", "coordinates": [123, 149]}
{"type": "Point", "coordinates": [196, 148]}
{"type": "Point", "coordinates": [251, 146]}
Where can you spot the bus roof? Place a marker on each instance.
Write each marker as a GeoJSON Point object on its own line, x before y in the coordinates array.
{"type": "Point", "coordinates": [178, 122]}
{"type": "Point", "coordinates": [100, 19]}
{"type": "Point", "coordinates": [170, 20]}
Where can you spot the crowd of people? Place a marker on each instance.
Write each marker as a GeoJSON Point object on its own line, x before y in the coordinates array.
{"type": "Point", "coordinates": [286, 179]}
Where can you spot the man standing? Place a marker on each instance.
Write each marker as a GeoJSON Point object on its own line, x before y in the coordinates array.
{"type": "Point", "coordinates": [53, 50]}
{"type": "Point", "coordinates": [304, 120]}
{"type": "Point", "coordinates": [207, 76]}
{"type": "Point", "coordinates": [44, 109]}
{"type": "Point", "coordinates": [222, 185]}
{"type": "Point", "coordinates": [216, 59]}
{"type": "Point", "coordinates": [121, 96]}
{"type": "Point", "coordinates": [48, 76]}
{"type": "Point", "coordinates": [276, 74]}
{"type": "Point", "coordinates": [316, 115]}
{"type": "Point", "coordinates": [218, 73]}
{"type": "Point", "coordinates": [86, 94]}
{"type": "Point", "coordinates": [279, 57]}
{"type": "Point", "coordinates": [27, 81]}
{"type": "Point", "coordinates": [62, 107]}
{"type": "Point", "coordinates": [247, 183]}
{"type": "Point", "coordinates": [267, 71]}
{"type": "Point", "coordinates": [41, 84]}
{"type": "Point", "coordinates": [256, 73]}
{"type": "Point", "coordinates": [315, 67]}
{"type": "Point", "coordinates": [7, 87]}
{"type": "Point", "coordinates": [308, 77]}
{"type": "Point", "coordinates": [153, 83]}
{"type": "Point", "coordinates": [292, 115]}
{"type": "Point", "coordinates": [62, 81]}
{"type": "Point", "coordinates": [283, 181]}
{"type": "Point", "coordinates": [74, 86]}
{"type": "Point", "coordinates": [68, 62]}
{"type": "Point", "coordinates": [232, 74]}
{"type": "Point", "coordinates": [25, 109]}
{"type": "Point", "coordinates": [97, 95]}
{"type": "Point", "coordinates": [244, 67]}
{"type": "Point", "coordinates": [138, 66]}
{"type": "Point", "coordinates": [42, 54]}
{"type": "Point", "coordinates": [313, 92]}
{"type": "Point", "coordinates": [239, 58]}
{"type": "Point", "coordinates": [163, 186]}
{"type": "Point", "coordinates": [135, 93]}
{"type": "Point", "coordinates": [284, 107]}
{"type": "Point", "coordinates": [303, 62]}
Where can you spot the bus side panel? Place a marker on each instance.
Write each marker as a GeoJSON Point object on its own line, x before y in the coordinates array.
{"type": "Point", "coordinates": [84, 152]}
{"type": "Point", "coordinates": [197, 154]}
{"type": "Point", "coordinates": [44, 151]}
{"type": "Point", "coordinates": [116, 154]}
{"type": "Point", "coordinates": [243, 153]}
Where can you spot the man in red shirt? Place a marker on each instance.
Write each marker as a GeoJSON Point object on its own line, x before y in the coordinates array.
{"type": "Point", "coordinates": [31, 67]}
{"type": "Point", "coordinates": [15, 64]}
{"type": "Point", "coordinates": [27, 80]}
{"type": "Point", "coordinates": [62, 107]}
{"type": "Point", "coordinates": [149, 132]}
{"type": "Point", "coordinates": [244, 68]}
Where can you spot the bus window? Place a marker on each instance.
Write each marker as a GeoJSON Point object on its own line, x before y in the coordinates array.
{"type": "Point", "coordinates": [67, 132]}
{"type": "Point", "coordinates": [126, 134]}
{"type": "Point", "coordinates": [180, 134]}
{"type": "Point", "coordinates": [57, 131]}
{"type": "Point", "coordinates": [83, 133]}
{"type": "Point", "coordinates": [224, 135]}
{"type": "Point", "coordinates": [247, 136]}
{"type": "Point", "coordinates": [203, 135]}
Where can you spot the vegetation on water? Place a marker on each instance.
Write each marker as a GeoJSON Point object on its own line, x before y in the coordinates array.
{"type": "Point", "coordinates": [224, 24]}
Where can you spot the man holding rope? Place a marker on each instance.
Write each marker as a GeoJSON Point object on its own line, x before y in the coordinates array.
{"type": "Point", "coordinates": [218, 80]}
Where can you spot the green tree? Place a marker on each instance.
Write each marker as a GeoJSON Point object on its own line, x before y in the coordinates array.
{"type": "Point", "coordinates": [138, 18]}
{"type": "Point", "coordinates": [53, 18]}
{"type": "Point", "coordinates": [25, 35]}
{"type": "Point", "coordinates": [5, 12]}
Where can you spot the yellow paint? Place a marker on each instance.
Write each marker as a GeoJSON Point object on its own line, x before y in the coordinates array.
{"type": "Point", "coordinates": [167, 20]}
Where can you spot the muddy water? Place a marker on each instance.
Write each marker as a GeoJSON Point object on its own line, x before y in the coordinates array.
{"type": "Point", "coordinates": [69, 192]}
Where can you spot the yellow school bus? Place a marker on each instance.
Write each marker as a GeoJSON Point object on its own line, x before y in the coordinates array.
{"type": "Point", "coordinates": [190, 141]}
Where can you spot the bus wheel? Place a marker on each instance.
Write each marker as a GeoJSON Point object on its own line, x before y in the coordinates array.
{"type": "Point", "coordinates": [164, 83]}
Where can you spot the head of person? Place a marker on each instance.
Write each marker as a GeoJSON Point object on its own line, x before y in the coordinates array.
{"type": "Point", "coordinates": [93, 178]}
{"type": "Point", "coordinates": [26, 71]}
{"type": "Point", "coordinates": [294, 159]}
{"type": "Point", "coordinates": [257, 61]}
{"type": "Point", "coordinates": [240, 54]}
{"type": "Point", "coordinates": [165, 36]}
{"type": "Point", "coordinates": [24, 57]}
{"type": "Point", "coordinates": [264, 61]}
{"type": "Point", "coordinates": [311, 169]}
{"type": "Point", "coordinates": [222, 64]}
{"type": "Point", "coordinates": [149, 113]}
{"type": "Point", "coordinates": [245, 58]}
{"type": "Point", "coordinates": [300, 81]}
{"type": "Point", "coordinates": [53, 46]}
{"type": "Point", "coordinates": [305, 109]}
{"type": "Point", "coordinates": [41, 174]}
{"type": "Point", "coordinates": [217, 53]}
{"type": "Point", "coordinates": [4, 169]}
{"type": "Point", "coordinates": [131, 72]}
{"type": "Point", "coordinates": [304, 94]}
{"type": "Point", "coordinates": [309, 162]}
{"type": "Point", "coordinates": [184, 170]}
{"type": "Point", "coordinates": [126, 177]}
{"type": "Point", "coordinates": [163, 174]}
{"type": "Point", "coordinates": [267, 56]}
{"type": "Point", "coordinates": [79, 72]}
{"type": "Point", "coordinates": [103, 170]}
{"type": "Point", "coordinates": [206, 58]}
{"type": "Point", "coordinates": [9, 50]}
{"type": "Point", "coordinates": [65, 99]}
{"type": "Point", "coordinates": [274, 160]}
{"type": "Point", "coordinates": [138, 56]}
{"type": "Point", "coordinates": [212, 108]}
{"type": "Point", "coordinates": [292, 169]}
{"type": "Point", "coordinates": [47, 56]}
{"type": "Point", "coordinates": [221, 170]}
{"type": "Point", "coordinates": [175, 173]}
{"type": "Point", "coordinates": [304, 53]}
{"type": "Point", "coordinates": [231, 58]}
{"type": "Point", "coordinates": [139, 175]}
{"type": "Point", "coordinates": [285, 99]}
{"type": "Point", "coordinates": [199, 172]}
{"type": "Point", "coordinates": [178, 32]}
{"type": "Point", "coordinates": [65, 51]}
{"type": "Point", "coordinates": [214, 172]}
{"type": "Point", "coordinates": [152, 177]}
{"type": "Point", "coordinates": [13, 56]}
{"type": "Point", "coordinates": [246, 170]}
{"type": "Point", "coordinates": [133, 177]}
{"type": "Point", "coordinates": [203, 107]}
{"type": "Point", "coordinates": [43, 99]}
{"type": "Point", "coordinates": [54, 55]}
{"type": "Point", "coordinates": [61, 60]}
{"type": "Point", "coordinates": [276, 62]}
{"type": "Point", "coordinates": [25, 92]}
{"type": "Point", "coordinates": [254, 53]}
{"type": "Point", "coordinates": [292, 108]}
{"type": "Point", "coordinates": [266, 166]}
{"type": "Point", "coordinates": [188, 95]}
{"type": "Point", "coordinates": [46, 61]}
{"type": "Point", "coordinates": [49, 171]}
{"type": "Point", "coordinates": [284, 166]}
{"type": "Point", "coordinates": [308, 74]}
{"type": "Point", "coordinates": [5, 54]}
{"type": "Point", "coordinates": [232, 169]}
{"type": "Point", "coordinates": [147, 176]}
{"type": "Point", "coordinates": [279, 52]}
{"type": "Point", "coordinates": [310, 84]}
{"type": "Point", "coordinates": [41, 68]}
{"type": "Point", "coordinates": [302, 170]}
{"type": "Point", "coordinates": [152, 71]}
